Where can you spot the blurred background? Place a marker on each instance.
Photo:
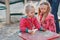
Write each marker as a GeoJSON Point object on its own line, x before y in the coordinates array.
{"type": "Point", "coordinates": [15, 9]}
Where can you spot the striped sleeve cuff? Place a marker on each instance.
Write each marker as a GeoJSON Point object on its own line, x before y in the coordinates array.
{"type": "Point", "coordinates": [41, 28]}
{"type": "Point", "coordinates": [26, 30]}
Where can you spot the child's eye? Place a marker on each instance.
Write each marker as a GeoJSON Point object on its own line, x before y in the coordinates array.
{"type": "Point", "coordinates": [44, 8]}
{"type": "Point", "coordinates": [32, 12]}
{"type": "Point", "coordinates": [41, 8]}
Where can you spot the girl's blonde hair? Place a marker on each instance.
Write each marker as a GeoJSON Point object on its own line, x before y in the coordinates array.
{"type": "Point", "coordinates": [28, 7]}
{"type": "Point", "coordinates": [48, 8]}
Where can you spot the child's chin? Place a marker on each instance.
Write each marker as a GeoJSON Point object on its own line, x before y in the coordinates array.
{"type": "Point", "coordinates": [31, 16]}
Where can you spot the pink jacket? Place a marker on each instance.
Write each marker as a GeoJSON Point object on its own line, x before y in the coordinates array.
{"type": "Point", "coordinates": [49, 23]}
{"type": "Point", "coordinates": [28, 24]}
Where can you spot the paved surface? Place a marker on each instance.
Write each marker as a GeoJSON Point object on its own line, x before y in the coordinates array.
{"type": "Point", "coordinates": [9, 32]}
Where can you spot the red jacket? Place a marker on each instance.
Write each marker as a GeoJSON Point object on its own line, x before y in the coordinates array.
{"type": "Point", "coordinates": [49, 23]}
{"type": "Point", "coordinates": [28, 23]}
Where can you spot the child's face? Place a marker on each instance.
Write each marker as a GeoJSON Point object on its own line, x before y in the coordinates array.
{"type": "Point", "coordinates": [43, 8]}
{"type": "Point", "coordinates": [31, 13]}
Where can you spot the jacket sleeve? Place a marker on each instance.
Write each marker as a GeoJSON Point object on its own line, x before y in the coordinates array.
{"type": "Point", "coordinates": [22, 26]}
{"type": "Point", "coordinates": [36, 23]}
{"type": "Point", "coordinates": [52, 24]}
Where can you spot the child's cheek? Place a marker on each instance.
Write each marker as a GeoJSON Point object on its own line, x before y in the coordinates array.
{"type": "Point", "coordinates": [42, 11]}
{"type": "Point", "coordinates": [29, 14]}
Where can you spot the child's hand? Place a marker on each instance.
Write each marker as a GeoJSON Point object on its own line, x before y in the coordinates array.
{"type": "Point", "coordinates": [29, 31]}
{"type": "Point", "coordinates": [33, 31]}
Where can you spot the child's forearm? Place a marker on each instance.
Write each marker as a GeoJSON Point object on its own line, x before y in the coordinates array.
{"type": "Point", "coordinates": [34, 30]}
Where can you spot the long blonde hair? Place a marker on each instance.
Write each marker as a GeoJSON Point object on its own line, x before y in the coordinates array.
{"type": "Point", "coordinates": [47, 11]}
{"type": "Point", "coordinates": [48, 8]}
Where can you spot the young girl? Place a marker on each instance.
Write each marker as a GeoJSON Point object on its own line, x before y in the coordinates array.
{"type": "Point", "coordinates": [45, 17]}
{"type": "Point", "coordinates": [29, 23]}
